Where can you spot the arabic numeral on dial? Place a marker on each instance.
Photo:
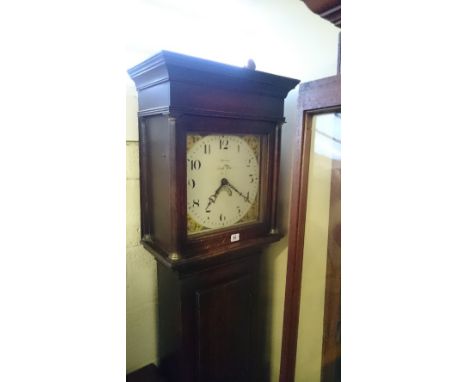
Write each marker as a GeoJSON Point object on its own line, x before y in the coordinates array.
{"type": "Point", "coordinates": [207, 148]}
{"type": "Point", "coordinates": [196, 203]}
{"type": "Point", "coordinates": [191, 183]}
{"type": "Point", "coordinates": [222, 218]}
{"type": "Point", "coordinates": [223, 144]}
{"type": "Point", "coordinates": [195, 164]}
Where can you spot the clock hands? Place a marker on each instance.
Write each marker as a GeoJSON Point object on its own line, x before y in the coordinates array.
{"type": "Point", "coordinates": [213, 197]}
{"type": "Point", "coordinates": [226, 185]}
{"type": "Point", "coordinates": [245, 197]}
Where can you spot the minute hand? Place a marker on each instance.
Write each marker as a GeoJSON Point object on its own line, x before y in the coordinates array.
{"type": "Point", "coordinates": [246, 198]}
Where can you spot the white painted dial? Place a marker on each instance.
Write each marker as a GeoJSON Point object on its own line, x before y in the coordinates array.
{"type": "Point", "coordinates": [223, 178]}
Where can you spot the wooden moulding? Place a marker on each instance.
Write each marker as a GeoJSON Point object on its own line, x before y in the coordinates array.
{"type": "Point", "coordinates": [327, 9]}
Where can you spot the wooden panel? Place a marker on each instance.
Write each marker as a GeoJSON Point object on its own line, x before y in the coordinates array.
{"type": "Point", "coordinates": [208, 322]}
{"type": "Point", "coordinates": [194, 97]}
{"type": "Point", "coordinates": [224, 331]}
{"type": "Point", "coordinates": [169, 323]}
{"type": "Point", "coordinates": [321, 94]}
{"type": "Point", "coordinates": [328, 9]}
{"type": "Point", "coordinates": [160, 192]}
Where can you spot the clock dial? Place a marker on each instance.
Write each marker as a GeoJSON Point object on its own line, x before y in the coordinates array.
{"type": "Point", "coordinates": [223, 177]}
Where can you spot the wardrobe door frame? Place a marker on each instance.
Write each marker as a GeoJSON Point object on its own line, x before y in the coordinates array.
{"type": "Point", "coordinates": [315, 97]}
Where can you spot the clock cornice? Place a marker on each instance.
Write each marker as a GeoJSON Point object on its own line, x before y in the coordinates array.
{"type": "Point", "coordinates": [171, 66]}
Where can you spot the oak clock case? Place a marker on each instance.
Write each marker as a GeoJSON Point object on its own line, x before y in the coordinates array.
{"type": "Point", "coordinates": [209, 140]}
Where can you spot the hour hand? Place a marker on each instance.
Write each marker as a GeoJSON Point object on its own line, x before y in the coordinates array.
{"type": "Point", "coordinates": [213, 197]}
{"type": "Point", "coordinates": [245, 197]}
{"type": "Point", "coordinates": [211, 200]}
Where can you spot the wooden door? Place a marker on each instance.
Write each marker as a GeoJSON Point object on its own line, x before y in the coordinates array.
{"type": "Point", "coordinates": [208, 327]}
{"type": "Point", "coordinates": [224, 331]}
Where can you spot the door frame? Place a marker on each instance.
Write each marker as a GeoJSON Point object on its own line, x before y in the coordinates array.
{"type": "Point", "coordinates": [315, 97]}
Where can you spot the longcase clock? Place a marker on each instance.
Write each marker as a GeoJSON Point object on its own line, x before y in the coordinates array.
{"type": "Point", "coordinates": [209, 138]}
